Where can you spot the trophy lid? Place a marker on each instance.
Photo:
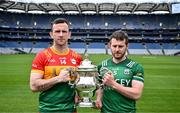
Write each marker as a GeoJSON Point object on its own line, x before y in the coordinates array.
{"type": "Point", "coordinates": [86, 65]}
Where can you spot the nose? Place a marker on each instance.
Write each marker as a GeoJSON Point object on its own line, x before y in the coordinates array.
{"type": "Point", "coordinates": [60, 33]}
{"type": "Point", "coordinates": [117, 48]}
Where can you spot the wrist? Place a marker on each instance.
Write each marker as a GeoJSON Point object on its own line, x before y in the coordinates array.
{"type": "Point", "coordinates": [98, 99]}
{"type": "Point", "coordinates": [58, 79]}
{"type": "Point", "coordinates": [113, 85]}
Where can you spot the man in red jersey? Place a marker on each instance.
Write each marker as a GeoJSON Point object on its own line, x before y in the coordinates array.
{"type": "Point", "coordinates": [50, 75]}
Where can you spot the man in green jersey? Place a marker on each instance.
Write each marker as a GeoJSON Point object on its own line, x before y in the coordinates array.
{"type": "Point", "coordinates": [121, 77]}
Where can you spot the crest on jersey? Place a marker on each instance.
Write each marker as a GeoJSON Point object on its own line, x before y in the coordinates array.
{"type": "Point", "coordinates": [126, 71]}
{"type": "Point", "coordinates": [73, 61]}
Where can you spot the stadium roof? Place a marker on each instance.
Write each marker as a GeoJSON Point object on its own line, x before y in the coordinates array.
{"type": "Point", "coordinates": [87, 6]}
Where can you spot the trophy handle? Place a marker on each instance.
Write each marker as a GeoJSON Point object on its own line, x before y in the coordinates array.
{"type": "Point", "coordinates": [103, 72]}
{"type": "Point", "coordinates": [74, 77]}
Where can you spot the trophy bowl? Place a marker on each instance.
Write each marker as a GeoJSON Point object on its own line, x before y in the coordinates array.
{"type": "Point", "coordinates": [86, 83]}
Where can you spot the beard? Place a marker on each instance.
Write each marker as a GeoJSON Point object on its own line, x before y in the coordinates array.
{"type": "Point", "coordinates": [60, 42]}
{"type": "Point", "coordinates": [118, 56]}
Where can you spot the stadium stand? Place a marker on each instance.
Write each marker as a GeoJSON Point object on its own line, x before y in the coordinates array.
{"type": "Point", "coordinates": [150, 34]}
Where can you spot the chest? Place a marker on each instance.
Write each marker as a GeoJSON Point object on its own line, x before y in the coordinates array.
{"type": "Point", "coordinates": [56, 63]}
{"type": "Point", "coordinates": [123, 75]}
{"type": "Point", "coordinates": [61, 61]}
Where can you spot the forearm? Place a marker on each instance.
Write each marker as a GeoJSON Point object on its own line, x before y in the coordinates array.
{"type": "Point", "coordinates": [37, 83]}
{"type": "Point", "coordinates": [99, 94]}
{"type": "Point", "coordinates": [42, 84]}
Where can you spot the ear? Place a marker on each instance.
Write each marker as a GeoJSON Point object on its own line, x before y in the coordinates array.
{"type": "Point", "coordinates": [51, 34]}
{"type": "Point", "coordinates": [127, 45]}
{"type": "Point", "coordinates": [69, 34]}
{"type": "Point", "coordinates": [109, 45]}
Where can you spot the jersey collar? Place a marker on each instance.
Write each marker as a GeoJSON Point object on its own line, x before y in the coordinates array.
{"type": "Point", "coordinates": [65, 52]}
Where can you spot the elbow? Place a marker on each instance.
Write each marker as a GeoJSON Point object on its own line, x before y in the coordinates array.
{"type": "Point", "coordinates": [137, 97]}
{"type": "Point", "coordinates": [33, 88]}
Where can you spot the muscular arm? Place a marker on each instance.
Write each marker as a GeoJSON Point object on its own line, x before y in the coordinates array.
{"type": "Point", "coordinates": [37, 83]}
{"type": "Point", "coordinates": [133, 92]}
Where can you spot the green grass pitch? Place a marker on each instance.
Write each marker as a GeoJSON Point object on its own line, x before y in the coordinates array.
{"type": "Point", "coordinates": [161, 93]}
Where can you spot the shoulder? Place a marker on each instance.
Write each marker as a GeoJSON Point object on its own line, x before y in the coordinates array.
{"type": "Point", "coordinates": [132, 64]}
{"type": "Point", "coordinates": [44, 53]}
{"type": "Point", "coordinates": [104, 63]}
{"type": "Point", "coordinates": [75, 54]}
{"type": "Point", "coordinates": [137, 68]}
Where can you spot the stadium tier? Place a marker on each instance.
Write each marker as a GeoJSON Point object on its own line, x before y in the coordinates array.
{"type": "Point", "coordinates": [150, 34]}
{"type": "Point", "coordinates": [131, 21]}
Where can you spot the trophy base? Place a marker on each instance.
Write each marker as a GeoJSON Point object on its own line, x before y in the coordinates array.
{"type": "Point", "coordinates": [86, 104]}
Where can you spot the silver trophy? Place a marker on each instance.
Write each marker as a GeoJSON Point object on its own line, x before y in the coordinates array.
{"type": "Point", "coordinates": [86, 82]}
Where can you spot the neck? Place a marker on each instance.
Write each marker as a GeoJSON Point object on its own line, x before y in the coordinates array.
{"type": "Point", "coordinates": [60, 49]}
{"type": "Point", "coordinates": [119, 60]}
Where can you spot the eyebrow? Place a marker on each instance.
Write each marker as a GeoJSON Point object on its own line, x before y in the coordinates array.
{"type": "Point", "coordinates": [60, 30]}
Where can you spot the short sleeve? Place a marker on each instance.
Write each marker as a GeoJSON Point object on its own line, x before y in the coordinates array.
{"type": "Point", "coordinates": [38, 63]}
{"type": "Point", "coordinates": [138, 73]}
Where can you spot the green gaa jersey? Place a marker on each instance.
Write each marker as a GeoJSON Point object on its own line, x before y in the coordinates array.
{"type": "Point", "coordinates": [124, 72]}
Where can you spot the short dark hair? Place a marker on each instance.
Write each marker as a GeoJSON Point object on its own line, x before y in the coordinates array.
{"type": "Point", "coordinates": [119, 35]}
{"type": "Point", "coordinates": [60, 20]}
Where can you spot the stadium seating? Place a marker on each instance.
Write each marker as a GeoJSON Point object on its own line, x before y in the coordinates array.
{"type": "Point", "coordinates": [36, 26]}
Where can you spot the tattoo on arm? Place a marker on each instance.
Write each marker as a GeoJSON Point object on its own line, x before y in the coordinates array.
{"type": "Point", "coordinates": [46, 84]}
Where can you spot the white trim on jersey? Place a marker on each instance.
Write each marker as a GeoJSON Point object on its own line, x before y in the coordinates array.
{"type": "Point", "coordinates": [104, 63]}
{"type": "Point", "coordinates": [130, 64]}
{"type": "Point", "coordinates": [138, 78]}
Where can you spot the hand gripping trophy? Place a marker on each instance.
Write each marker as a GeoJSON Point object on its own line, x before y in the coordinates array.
{"type": "Point", "coordinates": [86, 82]}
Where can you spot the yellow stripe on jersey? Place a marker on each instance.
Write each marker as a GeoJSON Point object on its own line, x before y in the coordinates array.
{"type": "Point", "coordinates": [37, 71]}
{"type": "Point", "coordinates": [52, 71]}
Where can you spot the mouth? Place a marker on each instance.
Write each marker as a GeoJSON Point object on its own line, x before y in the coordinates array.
{"type": "Point", "coordinates": [61, 39]}
{"type": "Point", "coordinates": [118, 53]}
